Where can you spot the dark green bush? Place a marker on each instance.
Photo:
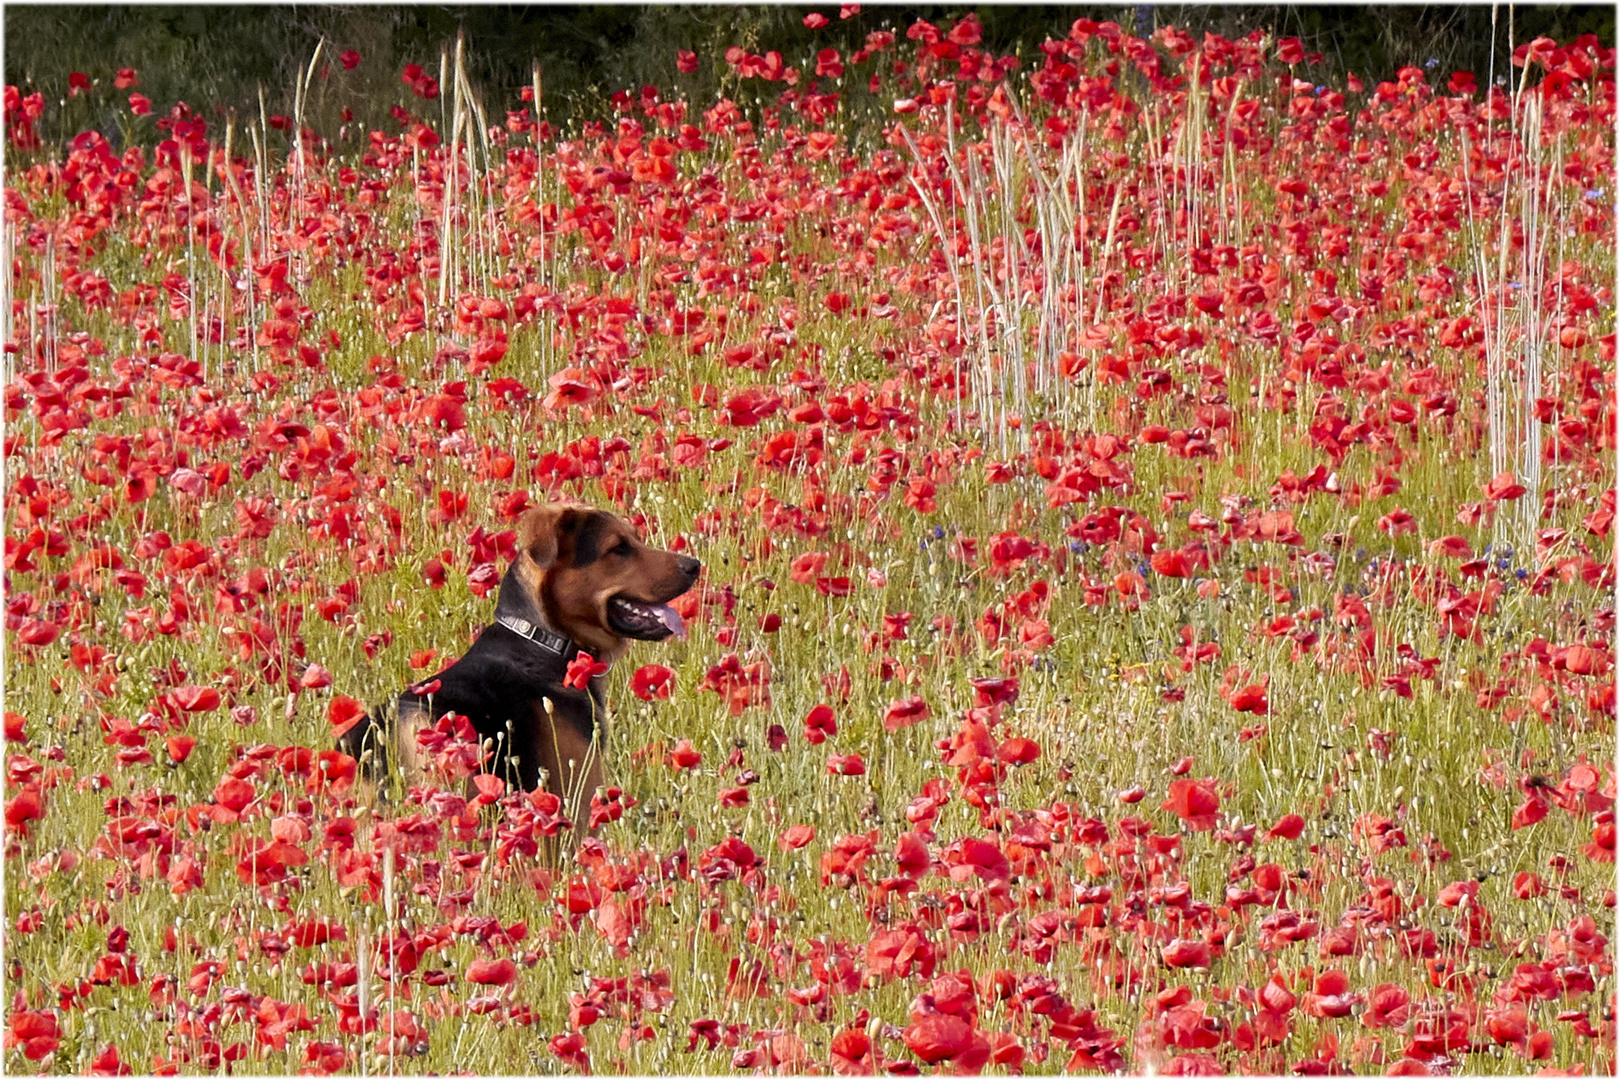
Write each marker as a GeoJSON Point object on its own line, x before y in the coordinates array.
{"type": "Point", "coordinates": [218, 58]}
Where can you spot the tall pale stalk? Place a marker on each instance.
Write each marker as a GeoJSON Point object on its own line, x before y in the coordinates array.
{"type": "Point", "coordinates": [1231, 191]}
{"type": "Point", "coordinates": [1533, 212]}
{"type": "Point", "coordinates": [46, 340]}
{"type": "Point", "coordinates": [1018, 309]}
{"type": "Point", "coordinates": [246, 242]}
{"type": "Point", "coordinates": [447, 243]}
{"type": "Point", "coordinates": [1518, 327]}
{"type": "Point", "coordinates": [8, 288]}
{"type": "Point", "coordinates": [540, 173]}
{"type": "Point", "coordinates": [194, 289]}
{"type": "Point", "coordinates": [301, 85]}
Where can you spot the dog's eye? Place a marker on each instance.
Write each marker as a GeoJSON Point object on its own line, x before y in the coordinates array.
{"type": "Point", "coordinates": [622, 548]}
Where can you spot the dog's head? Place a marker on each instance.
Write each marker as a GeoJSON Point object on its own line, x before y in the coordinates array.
{"type": "Point", "coordinates": [594, 580]}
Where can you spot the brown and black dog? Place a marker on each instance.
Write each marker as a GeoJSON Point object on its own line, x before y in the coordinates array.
{"type": "Point", "coordinates": [582, 581]}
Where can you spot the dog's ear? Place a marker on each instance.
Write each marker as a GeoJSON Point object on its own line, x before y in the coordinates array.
{"type": "Point", "coordinates": [543, 530]}
{"type": "Point", "coordinates": [538, 533]}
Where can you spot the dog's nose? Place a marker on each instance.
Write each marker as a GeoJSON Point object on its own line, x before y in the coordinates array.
{"type": "Point", "coordinates": [688, 566]}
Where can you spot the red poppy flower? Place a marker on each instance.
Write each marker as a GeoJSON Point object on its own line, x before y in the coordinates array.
{"type": "Point", "coordinates": [1386, 1006]}
{"type": "Point", "coordinates": [995, 691]}
{"type": "Point", "coordinates": [196, 698]}
{"type": "Point", "coordinates": [582, 669]}
{"type": "Point", "coordinates": [233, 793]}
{"type": "Point", "coordinates": [343, 713]}
{"type": "Point", "coordinates": [684, 756]}
{"type": "Point", "coordinates": [1503, 486]}
{"type": "Point", "coordinates": [492, 972]}
{"type": "Point", "coordinates": [38, 1033]}
{"type": "Point", "coordinates": [819, 724]}
{"type": "Point", "coordinates": [939, 1037]}
{"type": "Point", "coordinates": [1453, 547]}
{"type": "Point", "coordinates": [1130, 584]}
{"type": "Point", "coordinates": [315, 677]}
{"type": "Point", "coordinates": [1172, 563]}
{"type": "Point", "coordinates": [796, 836]}
{"type": "Point", "coordinates": [1195, 802]}
{"type": "Point", "coordinates": [652, 681]}
{"type": "Point", "coordinates": [28, 805]}
{"type": "Point", "coordinates": [1018, 751]}
{"type": "Point", "coordinates": [1533, 809]}
{"type": "Point", "coordinates": [1601, 849]}
{"type": "Point", "coordinates": [904, 713]}
{"type": "Point", "coordinates": [1250, 699]}
{"type": "Point", "coordinates": [851, 1053]}
{"type": "Point", "coordinates": [807, 566]}
{"type": "Point", "coordinates": [911, 855]}
{"type": "Point", "coordinates": [846, 765]}
{"type": "Point", "coordinates": [332, 771]}
{"type": "Point", "coordinates": [1186, 954]}
{"type": "Point", "coordinates": [108, 1063]}
{"type": "Point", "coordinates": [434, 573]}
{"type": "Point", "coordinates": [1288, 827]}
{"type": "Point", "coordinates": [1396, 522]}
{"type": "Point", "coordinates": [37, 632]}
{"type": "Point", "coordinates": [268, 863]}
{"type": "Point", "coordinates": [324, 1058]}
{"type": "Point", "coordinates": [971, 855]}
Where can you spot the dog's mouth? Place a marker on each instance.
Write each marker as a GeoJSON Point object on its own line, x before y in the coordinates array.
{"type": "Point", "coordinates": [644, 621]}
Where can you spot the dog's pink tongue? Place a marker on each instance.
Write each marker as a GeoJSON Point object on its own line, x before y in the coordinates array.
{"type": "Point", "coordinates": [672, 620]}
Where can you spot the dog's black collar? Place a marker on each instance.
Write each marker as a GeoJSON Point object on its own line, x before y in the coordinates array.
{"type": "Point", "coordinates": [552, 643]}
{"type": "Point", "coordinates": [556, 644]}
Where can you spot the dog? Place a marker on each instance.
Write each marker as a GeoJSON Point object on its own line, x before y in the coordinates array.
{"type": "Point", "coordinates": [581, 581]}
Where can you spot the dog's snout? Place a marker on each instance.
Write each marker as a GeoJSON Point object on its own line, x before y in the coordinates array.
{"type": "Point", "coordinates": [688, 566]}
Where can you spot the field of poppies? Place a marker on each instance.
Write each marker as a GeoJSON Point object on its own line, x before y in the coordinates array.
{"type": "Point", "coordinates": [1157, 515]}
